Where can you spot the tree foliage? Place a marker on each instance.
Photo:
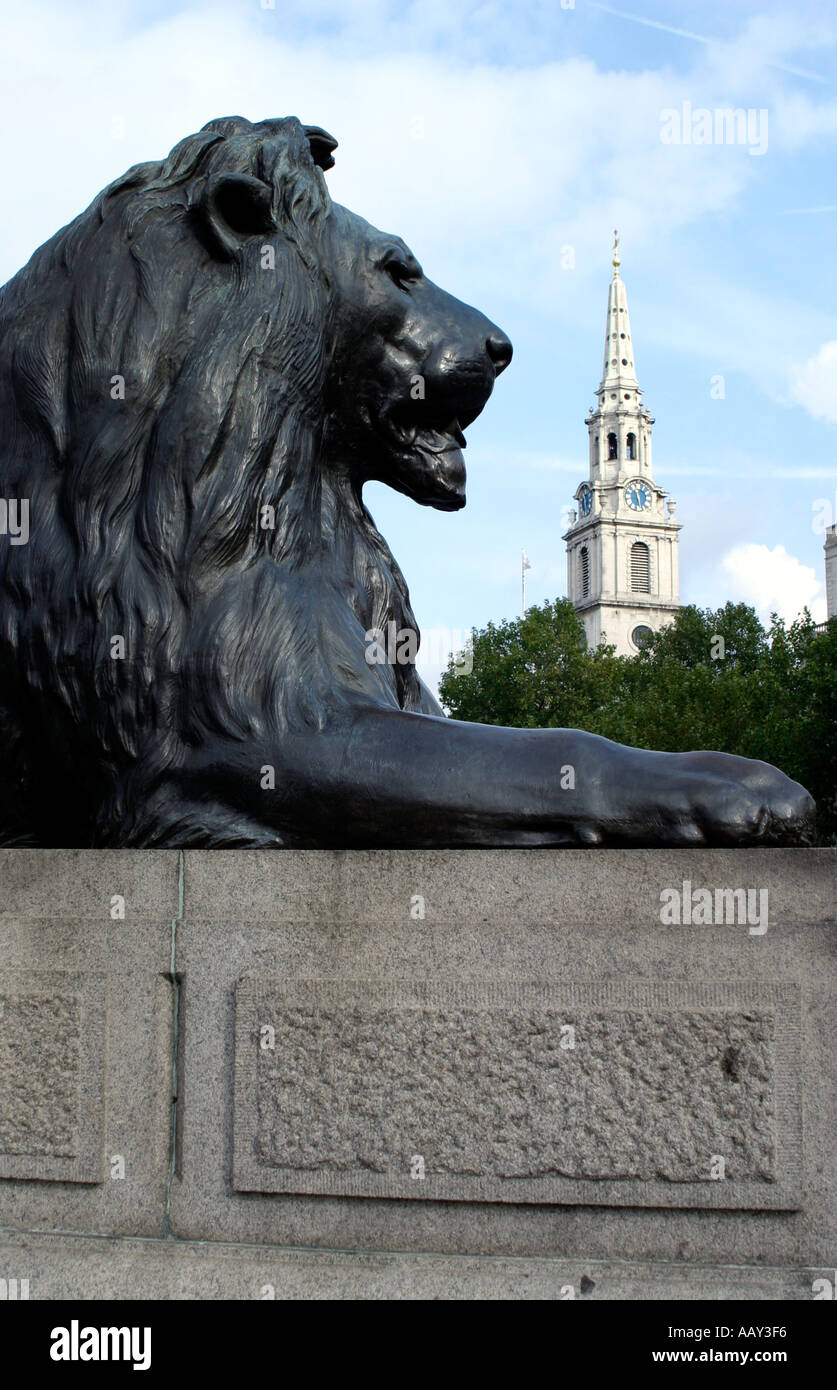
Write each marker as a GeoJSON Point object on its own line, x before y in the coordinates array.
{"type": "Point", "coordinates": [713, 679]}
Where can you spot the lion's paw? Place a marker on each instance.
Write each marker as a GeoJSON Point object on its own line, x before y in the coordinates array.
{"type": "Point", "coordinates": [738, 801]}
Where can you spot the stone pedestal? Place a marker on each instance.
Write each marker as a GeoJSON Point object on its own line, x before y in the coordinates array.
{"type": "Point", "coordinates": [497, 1073]}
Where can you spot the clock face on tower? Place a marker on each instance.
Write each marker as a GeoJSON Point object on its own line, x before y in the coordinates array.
{"type": "Point", "coordinates": [585, 501]}
{"type": "Point", "coordinates": [638, 496]}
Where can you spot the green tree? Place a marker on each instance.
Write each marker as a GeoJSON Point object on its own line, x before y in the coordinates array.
{"type": "Point", "coordinates": [534, 672]}
{"type": "Point", "coordinates": [712, 679]}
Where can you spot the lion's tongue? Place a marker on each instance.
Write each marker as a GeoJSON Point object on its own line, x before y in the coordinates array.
{"type": "Point", "coordinates": [441, 441]}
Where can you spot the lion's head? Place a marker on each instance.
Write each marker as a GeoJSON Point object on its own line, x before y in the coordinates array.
{"type": "Point", "coordinates": [197, 376]}
{"type": "Point", "coordinates": [416, 366]}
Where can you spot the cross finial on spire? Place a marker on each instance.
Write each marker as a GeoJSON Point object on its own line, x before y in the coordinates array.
{"type": "Point", "coordinates": [616, 260]}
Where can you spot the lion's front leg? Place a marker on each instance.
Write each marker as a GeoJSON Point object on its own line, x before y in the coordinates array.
{"type": "Point", "coordinates": [393, 779]}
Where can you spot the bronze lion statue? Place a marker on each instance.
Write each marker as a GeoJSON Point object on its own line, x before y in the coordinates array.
{"type": "Point", "coordinates": [197, 377]}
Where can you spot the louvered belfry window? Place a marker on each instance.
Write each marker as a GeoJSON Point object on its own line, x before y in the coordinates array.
{"type": "Point", "coordinates": [584, 571]}
{"type": "Point", "coordinates": [640, 568]}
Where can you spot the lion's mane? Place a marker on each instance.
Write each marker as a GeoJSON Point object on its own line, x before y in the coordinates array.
{"type": "Point", "coordinates": [144, 511]}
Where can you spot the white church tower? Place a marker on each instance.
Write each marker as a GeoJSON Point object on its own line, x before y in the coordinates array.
{"type": "Point", "coordinates": [831, 572]}
{"type": "Point", "coordinates": [622, 543]}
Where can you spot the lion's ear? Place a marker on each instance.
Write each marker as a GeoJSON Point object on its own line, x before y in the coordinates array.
{"type": "Point", "coordinates": [233, 207]}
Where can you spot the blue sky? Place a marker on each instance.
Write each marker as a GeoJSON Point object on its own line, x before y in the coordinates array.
{"type": "Point", "coordinates": [492, 137]}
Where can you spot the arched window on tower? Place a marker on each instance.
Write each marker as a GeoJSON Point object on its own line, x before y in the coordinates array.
{"type": "Point", "coordinates": [640, 568]}
{"type": "Point", "coordinates": [631, 446]}
{"type": "Point", "coordinates": [611, 446]}
{"type": "Point", "coordinates": [584, 571]}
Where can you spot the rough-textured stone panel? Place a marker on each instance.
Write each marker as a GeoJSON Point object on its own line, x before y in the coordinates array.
{"type": "Point", "coordinates": [51, 1070]}
{"type": "Point", "coordinates": [40, 1064]}
{"type": "Point", "coordinates": [493, 1092]}
{"type": "Point", "coordinates": [508, 1098]}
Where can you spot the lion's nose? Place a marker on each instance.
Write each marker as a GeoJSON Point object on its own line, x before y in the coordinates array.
{"type": "Point", "coordinates": [499, 350]}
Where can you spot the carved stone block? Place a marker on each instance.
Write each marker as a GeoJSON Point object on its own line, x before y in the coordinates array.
{"type": "Point", "coordinates": [645, 1095]}
{"type": "Point", "coordinates": [51, 1064]}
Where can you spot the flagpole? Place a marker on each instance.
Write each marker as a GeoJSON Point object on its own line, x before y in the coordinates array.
{"type": "Point", "coordinates": [524, 566]}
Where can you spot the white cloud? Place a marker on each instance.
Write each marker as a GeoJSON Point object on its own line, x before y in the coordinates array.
{"type": "Point", "coordinates": [518, 156]}
{"type": "Point", "coordinates": [814, 383]}
{"type": "Point", "coordinates": [774, 582]}
{"type": "Point", "coordinates": [467, 192]}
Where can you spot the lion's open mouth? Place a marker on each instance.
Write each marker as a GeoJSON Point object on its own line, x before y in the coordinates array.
{"type": "Point", "coordinates": [431, 441]}
{"type": "Point", "coordinates": [430, 466]}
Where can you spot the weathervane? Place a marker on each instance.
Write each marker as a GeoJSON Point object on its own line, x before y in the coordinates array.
{"type": "Point", "coordinates": [616, 260]}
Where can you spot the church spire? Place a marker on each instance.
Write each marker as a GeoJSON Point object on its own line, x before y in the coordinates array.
{"type": "Point", "coordinates": [618, 373]}
{"type": "Point", "coordinates": [622, 541]}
